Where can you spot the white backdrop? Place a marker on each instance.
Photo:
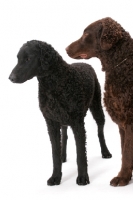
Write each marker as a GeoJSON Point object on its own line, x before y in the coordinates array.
{"type": "Point", "coordinates": [25, 150]}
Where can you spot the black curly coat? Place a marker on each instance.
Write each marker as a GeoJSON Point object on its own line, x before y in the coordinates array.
{"type": "Point", "coordinates": [65, 94]}
{"type": "Point", "coordinates": [107, 40]}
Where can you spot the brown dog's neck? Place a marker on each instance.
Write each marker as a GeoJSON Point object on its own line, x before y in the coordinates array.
{"type": "Point", "coordinates": [117, 55]}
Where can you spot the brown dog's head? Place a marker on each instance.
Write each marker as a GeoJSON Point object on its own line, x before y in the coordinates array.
{"type": "Point", "coordinates": [100, 35]}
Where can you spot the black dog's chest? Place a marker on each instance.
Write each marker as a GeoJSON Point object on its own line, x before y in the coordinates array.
{"type": "Point", "coordinates": [56, 106]}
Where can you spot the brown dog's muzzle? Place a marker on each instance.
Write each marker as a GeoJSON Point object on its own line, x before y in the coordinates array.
{"type": "Point", "coordinates": [75, 50]}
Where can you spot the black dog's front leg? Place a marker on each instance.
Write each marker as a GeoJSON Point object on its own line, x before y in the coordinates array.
{"type": "Point", "coordinates": [64, 142]}
{"type": "Point", "coordinates": [55, 137]}
{"type": "Point", "coordinates": [80, 138]}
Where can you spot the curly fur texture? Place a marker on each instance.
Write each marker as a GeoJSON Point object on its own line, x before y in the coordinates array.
{"type": "Point", "coordinates": [108, 41]}
{"type": "Point", "coordinates": [65, 94]}
{"type": "Point", "coordinates": [111, 33]}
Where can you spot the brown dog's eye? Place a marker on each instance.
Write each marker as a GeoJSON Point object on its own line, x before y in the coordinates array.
{"type": "Point", "coordinates": [86, 34]}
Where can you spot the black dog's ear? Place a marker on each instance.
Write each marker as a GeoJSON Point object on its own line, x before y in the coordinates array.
{"type": "Point", "coordinates": [43, 56]}
{"type": "Point", "coordinates": [44, 64]}
{"type": "Point", "coordinates": [111, 33]}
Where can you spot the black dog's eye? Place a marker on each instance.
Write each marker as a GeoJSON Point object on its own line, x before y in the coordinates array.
{"type": "Point", "coordinates": [27, 59]}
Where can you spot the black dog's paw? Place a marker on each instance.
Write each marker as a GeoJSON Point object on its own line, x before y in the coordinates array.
{"type": "Point", "coordinates": [83, 180]}
{"type": "Point", "coordinates": [54, 181]}
{"type": "Point", "coordinates": [64, 158]}
{"type": "Point", "coordinates": [106, 154]}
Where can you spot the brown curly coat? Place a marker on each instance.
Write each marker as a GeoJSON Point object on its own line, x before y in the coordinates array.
{"type": "Point", "coordinates": [108, 41]}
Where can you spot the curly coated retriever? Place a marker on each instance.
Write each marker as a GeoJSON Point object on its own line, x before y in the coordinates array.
{"type": "Point", "coordinates": [65, 94]}
{"type": "Point", "coordinates": [108, 41]}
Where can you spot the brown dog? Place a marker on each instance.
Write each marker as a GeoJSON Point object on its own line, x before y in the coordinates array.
{"type": "Point", "coordinates": [108, 41]}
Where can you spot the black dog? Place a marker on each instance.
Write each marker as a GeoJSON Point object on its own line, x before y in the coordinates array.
{"type": "Point", "coordinates": [65, 94]}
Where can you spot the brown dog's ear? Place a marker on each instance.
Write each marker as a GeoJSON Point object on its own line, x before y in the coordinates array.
{"type": "Point", "coordinates": [111, 33]}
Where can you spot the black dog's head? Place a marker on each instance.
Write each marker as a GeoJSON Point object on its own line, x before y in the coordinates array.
{"type": "Point", "coordinates": [28, 63]}
{"type": "Point", "coordinates": [34, 59]}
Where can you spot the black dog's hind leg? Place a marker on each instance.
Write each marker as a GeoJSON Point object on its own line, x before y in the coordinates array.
{"type": "Point", "coordinates": [98, 115]}
{"type": "Point", "coordinates": [55, 137]}
{"type": "Point", "coordinates": [64, 142]}
{"type": "Point", "coordinates": [80, 138]}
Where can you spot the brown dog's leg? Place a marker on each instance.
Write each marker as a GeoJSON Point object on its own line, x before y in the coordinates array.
{"type": "Point", "coordinates": [125, 174]}
{"type": "Point", "coordinates": [122, 135]}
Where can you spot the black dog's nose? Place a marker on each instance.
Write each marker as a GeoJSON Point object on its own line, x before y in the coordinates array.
{"type": "Point", "coordinates": [12, 78]}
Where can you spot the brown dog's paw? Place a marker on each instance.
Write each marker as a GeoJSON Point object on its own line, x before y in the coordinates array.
{"type": "Point", "coordinates": [119, 181]}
